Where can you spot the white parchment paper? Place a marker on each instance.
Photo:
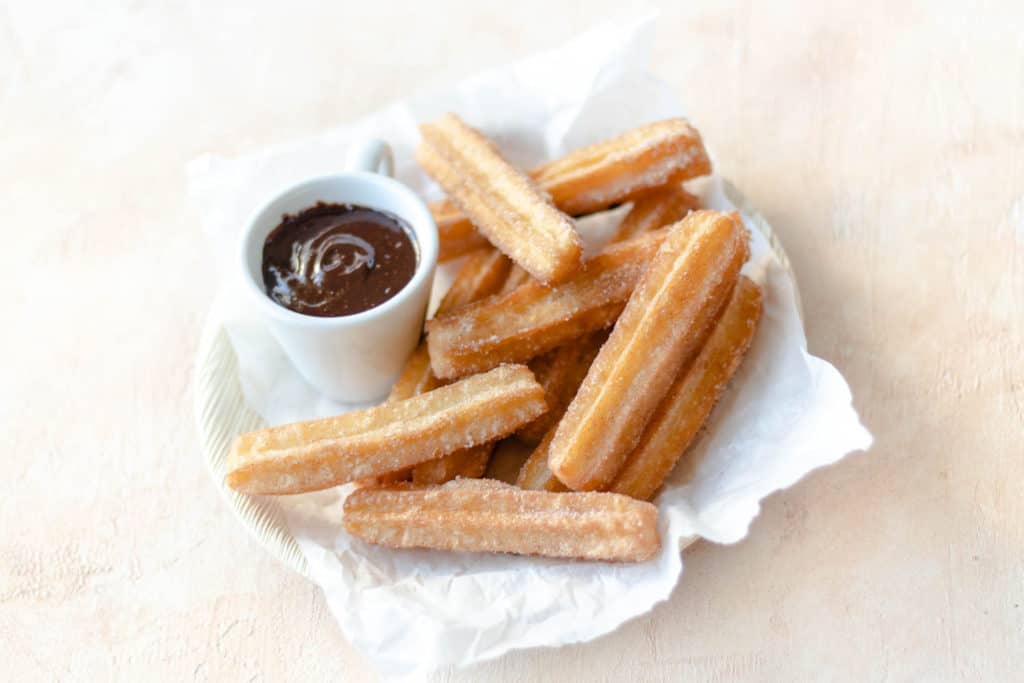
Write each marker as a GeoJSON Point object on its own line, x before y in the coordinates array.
{"type": "Point", "coordinates": [786, 413]}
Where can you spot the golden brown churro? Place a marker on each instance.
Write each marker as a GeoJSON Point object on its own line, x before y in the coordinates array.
{"type": "Point", "coordinates": [560, 372]}
{"type": "Point", "coordinates": [468, 463]}
{"type": "Point", "coordinates": [503, 203]}
{"type": "Point", "coordinates": [664, 324]}
{"type": "Point", "coordinates": [600, 176]}
{"type": "Point", "coordinates": [516, 277]}
{"type": "Point", "coordinates": [656, 210]}
{"type": "Point", "coordinates": [534, 319]}
{"type": "Point", "coordinates": [318, 454]}
{"type": "Point", "coordinates": [478, 515]}
{"type": "Point", "coordinates": [456, 235]}
{"type": "Point", "coordinates": [535, 474]}
{"type": "Point", "coordinates": [695, 392]}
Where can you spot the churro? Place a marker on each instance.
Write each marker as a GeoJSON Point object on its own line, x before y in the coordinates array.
{"type": "Point", "coordinates": [560, 372]}
{"type": "Point", "coordinates": [456, 235]}
{"type": "Point", "coordinates": [416, 377]}
{"type": "Point", "coordinates": [516, 277]}
{"type": "Point", "coordinates": [468, 463]}
{"type": "Point", "coordinates": [478, 515]}
{"type": "Point", "coordinates": [533, 318]}
{"type": "Point", "coordinates": [503, 203]}
{"type": "Point", "coordinates": [535, 474]}
{"type": "Point", "coordinates": [318, 454]}
{"type": "Point", "coordinates": [656, 210]}
{"type": "Point", "coordinates": [693, 395]}
{"type": "Point", "coordinates": [600, 176]}
{"type": "Point", "coordinates": [664, 324]}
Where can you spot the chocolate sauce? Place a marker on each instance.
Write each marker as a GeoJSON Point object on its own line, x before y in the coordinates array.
{"type": "Point", "coordinates": [337, 259]}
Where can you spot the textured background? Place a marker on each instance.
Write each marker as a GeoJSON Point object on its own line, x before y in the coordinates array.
{"type": "Point", "coordinates": [900, 126]}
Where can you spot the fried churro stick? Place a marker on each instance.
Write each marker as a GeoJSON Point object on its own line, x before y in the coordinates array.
{"type": "Point", "coordinates": [318, 454]}
{"type": "Point", "coordinates": [660, 208]}
{"type": "Point", "coordinates": [468, 463]}
{"type": "Point", "coordinates": [534, 319]}
{"type": "Point", "coordinates": [456, 235]}
{"type": "Point", "coordinates": [516, 277]}
{"type": "Point", "coordinates": [600, 176]}
{"type": "Point", "coordinates": [535, 474]}
{"type": "Point", "coordinates": [560, 372]}
{"type": "Point", "coordinates": [625, 167]}
{"type": "Point", "coordinates": [416, 377]}
{"type": "Point", "coordinates": [478, 515]}
{"type": "Point", "coordinates": [695, 392]}
{"type": "Point", "coordinates": [667, 318]}
{"type": "Point", "coordinates": [503, 203]}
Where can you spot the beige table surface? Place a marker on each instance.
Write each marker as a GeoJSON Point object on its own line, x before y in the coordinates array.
{"type": "Point", "coordinates": [885, 141]}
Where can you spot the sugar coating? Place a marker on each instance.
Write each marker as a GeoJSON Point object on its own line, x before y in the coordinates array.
{"type": "Point", "coordinates": [666, 321]}
{"type": "Point", "coordinates": [692, 396]}
{"type": "Point", "coordinates": [488, 516]}
{"type": "Point", "coordinates": [507, 207]}
{"type": "Point", "coordinates": [317, 454]}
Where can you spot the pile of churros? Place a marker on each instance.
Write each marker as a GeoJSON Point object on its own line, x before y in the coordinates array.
{"type": "Point", "coordinates": [605, 368]}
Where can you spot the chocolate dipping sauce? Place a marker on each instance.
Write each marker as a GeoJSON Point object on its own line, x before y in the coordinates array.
{"type": "Point", "coordinates": [337, 259]}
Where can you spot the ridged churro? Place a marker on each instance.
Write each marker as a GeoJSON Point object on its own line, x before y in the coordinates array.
{"type": "Point", "coordinates": [468, 463]}
{"type": "Point", "coordinates": [456, 235]}
{"type": "Point", "coordinates": [535, 474]}
{"type": "Point", "coordinates": [693, 395]}
{"type": "Point", "coordinates": [516, 277]}
{"type": "Point", "coordinates": [502, 202]}
{"type": "Point", "coordinates": [560, 372]}
{"type": "Point", "coordinates": [533, 318]}
{"type": "Point", "coordinates": [667, 318]}
{"type": "Point", "coordinates": [318, 454]}
{"type": "Point", "coordinates": [656, 210]}
{"type": "Point", "coordinates": [599, 176]}
{"type": "Point", "coordinates": [478, 515]}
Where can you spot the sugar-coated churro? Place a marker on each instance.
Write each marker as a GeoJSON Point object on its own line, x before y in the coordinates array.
{"type": "Point", "coordinates": [656, 210]}
{"type": "Point", "coordinates": [695, 392]}
{"type": "Point", "coordinates": [533, 318]}
{"type": "Point", "coordinates": [456, 235]}
{"type": "Point", "coordinates": [468, 463]}
{"type": "Point", "coordinates": [560, 372]}
{"type": "Point", "coordinates": [667, 318]}
{"type": "Point", "coordinates": [597, 177]}
{"type": "Point", "coordinates": [502, 202]}
{"type": "Point", "coordinates": [516, 277]}
{"type": "Point", "coordinates": [478, 515]}
{"type": "Point", "coordinates": [318, 454]}
{"type": "Point", "coordinates": [625, 167]}
{"type": "Point", "coordinates": [416, 376]}
{"type": "Point", "coordinates": [535, 474]}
